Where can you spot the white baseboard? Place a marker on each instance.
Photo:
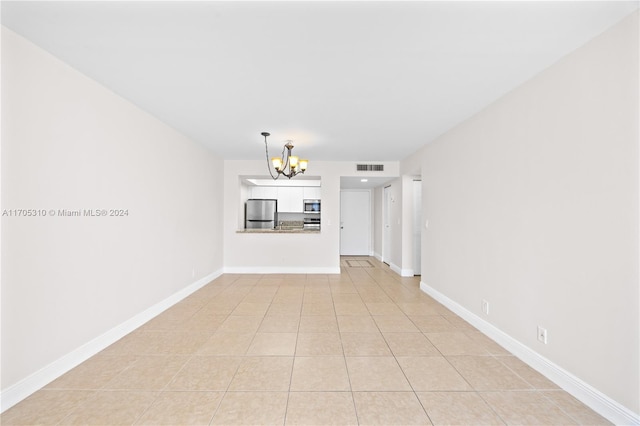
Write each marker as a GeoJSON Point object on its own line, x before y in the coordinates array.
{"type": "Point", "coordinates": [395, 268]}
{"type": "Point", "coordinates": [587, 394]}
{"type": "Point", "coordinates": [281, 270]}
{"type": "Point", "coordinates": [378, 256]}
{"type": "Point", "coordinates": [406, 272]}
{"type": "Point", "coordinates": [19, 391]}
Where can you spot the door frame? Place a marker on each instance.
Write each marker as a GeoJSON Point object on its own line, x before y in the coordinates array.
{"type": "Point", "coordinates": [417, 226]}
{"type": "Point", "coordinates": [386, 224]}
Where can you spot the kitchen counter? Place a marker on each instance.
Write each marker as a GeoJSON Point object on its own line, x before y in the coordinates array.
{"type": "Point", "coordinates": [278, 231]}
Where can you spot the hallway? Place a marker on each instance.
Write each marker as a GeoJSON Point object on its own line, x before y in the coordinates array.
{"type": "Point", "coordinates": [363, 347]}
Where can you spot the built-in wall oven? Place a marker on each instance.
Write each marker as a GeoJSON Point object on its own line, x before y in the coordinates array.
{"type": "Point", "coordinates": [312, 206]}
{"type": "Point", "coordinates": [311, 223]}
{"type": "Point", "coordinates": [312, 214]}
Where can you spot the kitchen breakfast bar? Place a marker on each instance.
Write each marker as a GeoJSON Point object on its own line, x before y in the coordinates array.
{"type": "Point", "coordinates": [278, 231]}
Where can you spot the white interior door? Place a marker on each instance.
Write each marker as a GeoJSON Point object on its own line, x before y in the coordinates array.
{"type": "Point", "coordinates": [355, 223]}
{"type": "Point", "coordinates": [386, 231]}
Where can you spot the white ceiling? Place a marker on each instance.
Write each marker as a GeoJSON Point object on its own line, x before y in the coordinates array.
{"type": "Point", "coordinates": [358, 81]}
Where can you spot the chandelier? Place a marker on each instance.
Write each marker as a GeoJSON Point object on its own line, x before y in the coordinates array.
{"type": "Point", "coordinates": [286, 165]}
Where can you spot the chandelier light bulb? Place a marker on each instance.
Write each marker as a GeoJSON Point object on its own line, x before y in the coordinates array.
{"type": "Point", "coordinates": [277, 163]}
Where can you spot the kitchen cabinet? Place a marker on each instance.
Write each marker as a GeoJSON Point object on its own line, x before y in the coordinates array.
{"type": "Point", "coordinates": [264, 192]}
{"type": "Point", "coordinates": [290, 199]}
{"type": "Point", "coordinates": [311, 193]}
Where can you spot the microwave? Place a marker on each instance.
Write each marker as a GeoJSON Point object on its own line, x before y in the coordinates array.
{"type": "Point", "coordinates": [311, 206]}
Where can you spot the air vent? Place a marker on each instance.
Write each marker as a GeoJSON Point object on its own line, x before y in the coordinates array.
{"type": "Point", "coordinates": [370, 167]}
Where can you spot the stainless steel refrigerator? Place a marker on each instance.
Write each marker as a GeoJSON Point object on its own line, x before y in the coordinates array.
{"type": "Point", "coordinates": [260, 214]}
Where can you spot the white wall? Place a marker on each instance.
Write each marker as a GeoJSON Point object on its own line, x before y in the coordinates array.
{"type": "Point", "coordinates": [411, 170]}
{"type": "Point", "coordinates": [69, 143]}
{"type": "Point", "coordinates": [287, 253]}
{"type": "Point", "coordinates": [533, 206]}
{"type": "Point", "coordinates": [401, 212]}
{"type": "Point", "coordinates": [395, 224]}
{"type": "Point", "coordinates": [407, 226]}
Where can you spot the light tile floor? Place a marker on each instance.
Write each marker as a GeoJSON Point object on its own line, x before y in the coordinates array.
{"type": "Point", "coordinates": [362, 347]}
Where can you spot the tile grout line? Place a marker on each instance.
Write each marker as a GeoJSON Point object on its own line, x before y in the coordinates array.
{"type": "Point", "coordinates": [293, 365]}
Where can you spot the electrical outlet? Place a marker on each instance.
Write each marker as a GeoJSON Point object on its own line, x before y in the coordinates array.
{"type": "Point", "coordinates": [485, 307]}
{"type": "Point", "coordinates": [542, 335]}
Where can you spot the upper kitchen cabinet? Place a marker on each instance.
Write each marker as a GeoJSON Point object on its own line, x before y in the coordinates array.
{"type": "Point", "coordinates": [264, 192]}
{"type": "Point", "coordinates": [289, 193]}
{"type": "Point", "coordinates": [290, 199]}
{"type": "Point", "coordinates": [311, 193]}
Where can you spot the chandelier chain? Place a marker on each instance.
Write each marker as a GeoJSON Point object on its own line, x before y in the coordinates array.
{"type": "Point", "coordinates": [266, 149]}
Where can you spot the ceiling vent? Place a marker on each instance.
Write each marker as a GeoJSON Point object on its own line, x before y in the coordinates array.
{"type": "Point", "coordinates": [370, 167]}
